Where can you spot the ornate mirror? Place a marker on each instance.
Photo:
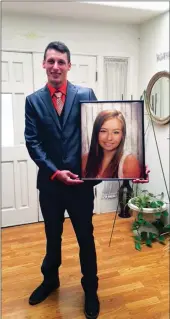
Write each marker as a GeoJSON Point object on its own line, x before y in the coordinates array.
{"type": "Point", "coordinates": [157, 97]}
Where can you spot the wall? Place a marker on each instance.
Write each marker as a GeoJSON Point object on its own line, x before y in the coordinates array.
{"type": "Point", "coordinates": [154, 39]}
{"type": "Point", "coordinates": [34, 33]}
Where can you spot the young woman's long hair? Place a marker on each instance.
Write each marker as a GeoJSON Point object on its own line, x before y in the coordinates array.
{"type": "Point", "coordinates": [95, 156]}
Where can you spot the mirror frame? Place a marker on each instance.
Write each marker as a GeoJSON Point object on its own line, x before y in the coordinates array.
{"type": "Point", "coordinates": [151, 83]}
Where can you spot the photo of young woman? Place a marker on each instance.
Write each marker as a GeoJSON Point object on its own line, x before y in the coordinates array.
{"type": "Point", "coordinates": [107, 157]}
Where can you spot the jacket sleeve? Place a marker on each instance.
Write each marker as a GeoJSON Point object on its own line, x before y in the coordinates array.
{"type": "Point", "coordinates": [33, 141]}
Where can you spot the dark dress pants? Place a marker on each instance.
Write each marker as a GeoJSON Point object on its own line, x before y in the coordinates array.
{"type": "Point", "coordinates": [78, 201]}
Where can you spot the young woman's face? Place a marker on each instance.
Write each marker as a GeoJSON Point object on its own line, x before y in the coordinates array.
{"type": "Point", "coordinates": [110, 134]}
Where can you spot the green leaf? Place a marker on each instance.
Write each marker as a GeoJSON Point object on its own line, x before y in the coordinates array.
{"type": "Point", "coordinates": [137, 238]}
{"type": "Point", "coordinates": [161, 239]}
{"type": "Point", "coordinates": [135, 225]}
{"type": "Point", "coordinates": [141, 221]}
{"type": "Point", "coordinates": [153, 236]}
{"type": "Point", "coordinates": [137, 246]}
{"type": "Point", "coordinates": [140, 216]}
{"type": "Point", "coordinates": [153, 205]}
{"type": "Point", "coordinates": [160, 203]}
{"type": "Point", "coordinates": [149, 242]}
{"type": "Point", "coordinates": [165, 213]}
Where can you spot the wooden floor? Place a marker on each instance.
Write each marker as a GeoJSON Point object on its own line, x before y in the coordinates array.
{"type": "Point", "coordinates": [133, 285]}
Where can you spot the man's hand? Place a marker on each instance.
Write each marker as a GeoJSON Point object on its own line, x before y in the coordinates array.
{"type": "Point", "coordinates": [143, 181]}
{"type": "Point", "coordinates": [68, 178]}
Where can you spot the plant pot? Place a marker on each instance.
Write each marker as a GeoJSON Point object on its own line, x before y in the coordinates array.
{"type": "Point", "coordinates": [148, 213]}
{"type": "Point", "coordinates": [147, 225]}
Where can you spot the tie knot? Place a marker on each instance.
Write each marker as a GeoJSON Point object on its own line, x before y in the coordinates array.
{"type": "Point", "coordinates": [58, 94]}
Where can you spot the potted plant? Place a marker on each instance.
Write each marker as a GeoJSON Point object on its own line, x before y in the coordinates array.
{"type": "Point", "coordinates": [149, 225]}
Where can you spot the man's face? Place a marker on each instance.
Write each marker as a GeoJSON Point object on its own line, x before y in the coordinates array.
{"type": "Point", "coordinates": [57, 66]}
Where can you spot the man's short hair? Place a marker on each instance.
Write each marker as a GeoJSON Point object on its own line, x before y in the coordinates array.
{"type": "Point", "coordinates": [58, 46]}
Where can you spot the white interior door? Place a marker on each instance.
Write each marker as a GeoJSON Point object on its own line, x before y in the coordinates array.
{"type": "Point", "coordinates": [83, 72]}
{"type": "Point", "coordinates": [19, 194]}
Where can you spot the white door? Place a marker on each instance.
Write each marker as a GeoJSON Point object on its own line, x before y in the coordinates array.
{"type": "Point", "coordinates": [83, 72]}
{"type": "Point", "coordinates": [19, 194]}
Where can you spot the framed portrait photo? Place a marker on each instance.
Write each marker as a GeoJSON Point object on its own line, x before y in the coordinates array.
{"type": "Point", "coordinates": [112, 140]}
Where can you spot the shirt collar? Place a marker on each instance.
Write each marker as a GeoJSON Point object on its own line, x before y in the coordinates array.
{"type": "Point", "coordinates": [62, 88]}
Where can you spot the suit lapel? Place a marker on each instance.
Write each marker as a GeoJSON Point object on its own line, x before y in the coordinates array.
{"type": "Point", "coordinates": [71, 93]}
{"type": "Point", "coordinates": [46, 98]}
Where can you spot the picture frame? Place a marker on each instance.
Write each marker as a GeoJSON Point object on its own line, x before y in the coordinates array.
{"type": "Point", "coordinates": [112, 140]}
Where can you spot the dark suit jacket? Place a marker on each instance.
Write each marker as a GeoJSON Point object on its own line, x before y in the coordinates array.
{"type": "Point", "coordinates": [51, 146]}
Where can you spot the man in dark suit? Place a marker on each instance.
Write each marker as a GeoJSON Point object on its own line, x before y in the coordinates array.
{"type": "Point", "coordinates": [52, 134]}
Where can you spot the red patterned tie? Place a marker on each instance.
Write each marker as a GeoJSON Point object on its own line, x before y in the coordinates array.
{"type": "Point", "coordinates": [59, 104]}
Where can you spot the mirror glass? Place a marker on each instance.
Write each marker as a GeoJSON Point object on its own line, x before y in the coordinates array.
{"type": "Point", "coordinates": [159, 97]}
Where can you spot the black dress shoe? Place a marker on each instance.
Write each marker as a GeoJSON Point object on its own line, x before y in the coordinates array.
{"type": "Point", "coordinates": [92, 306]}
{"type": "Point", "coordinates": [42, 292]}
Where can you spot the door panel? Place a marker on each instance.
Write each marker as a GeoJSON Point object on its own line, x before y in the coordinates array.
{"type": "Point", "coordinates": [19, 194]}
